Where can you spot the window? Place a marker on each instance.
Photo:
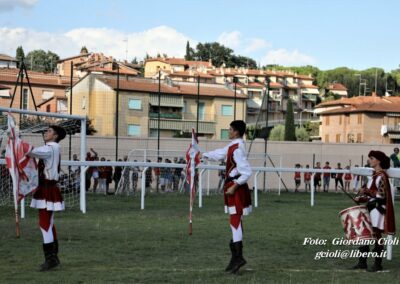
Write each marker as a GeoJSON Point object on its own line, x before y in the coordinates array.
{"type": "Point", "coordinates": [337, 138]}
{"type": "Point", "coordinates": [359, 138]}
{"type": "Point", "coordinates": [25, 99]}
{"type": "Point", "coordinates": [201, 111]}
{"type": "Point", "coordinates": [48, 108]}
{"type": "Point", "coordinates": [133, 130]}
{"type": "Point", "coordinates": [359, 118]}
{"type": "Point", "coordinates": [135, 104]}
{"type": "Point", "coordinates": [226, 110]}
{"type": "Point", "coordinates": [340, 120]}
{"type": "Point", "coordinates": [5, 93]}
{"type": "Point", "coordinates": [326, 138]}
{"type": "Point", "coordinates": [327, 120]}
{"type": "Point", "coordinates": [184, 109]}
{"type": "Point", "coordinates": [224, 134]}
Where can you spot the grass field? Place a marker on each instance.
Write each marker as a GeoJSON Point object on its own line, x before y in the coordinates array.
{"type": "Point", "coordinates": [116, 242]}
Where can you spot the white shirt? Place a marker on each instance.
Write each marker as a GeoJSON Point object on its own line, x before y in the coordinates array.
{"type": "Point", "coordinates": [50, 154]}
{"type": "Point", "coordinates": [239, 156]}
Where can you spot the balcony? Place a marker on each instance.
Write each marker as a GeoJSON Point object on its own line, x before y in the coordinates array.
{"type": "Point", "coordinates": [206, 127]}
{"type": "Point", "coordinates": [166, 115]}
{"type": "Point", "coordinates": [393, 129]}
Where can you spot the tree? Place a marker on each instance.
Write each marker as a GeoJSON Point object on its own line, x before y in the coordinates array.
{"type": "Point", "coordinates": [134, 60]}
{"type": "Point", "coordinates": [290, 134]}
{"type": "Point", "coordinates": [189, 52]}
{"type": "Point", "coordinates": [20, 54]}
{"type": "Point", "coordinates": [41, 61]}
{"type": "Point", "coordinates": [277, 133]}
{"type": "Point", "coordinates": [302, 134]}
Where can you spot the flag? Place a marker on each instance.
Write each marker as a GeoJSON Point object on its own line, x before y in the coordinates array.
{"type": "Point", "coordinates": [22, 168]}
{"type": "Point", "coordinates": [192, 160]}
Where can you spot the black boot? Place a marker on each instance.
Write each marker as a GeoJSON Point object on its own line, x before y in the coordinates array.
{"type": "Point", "coordinates": [378, 260]}
{"type": "Point", "coordinates": [50, 260]}
{"type": "Point", "coordinates": [230, 265]}
{"type": "Point", "coordinates": [55, 249]}
{"type": "Point", "coordinates": [362, 261]}
{"type": "Point", "coordinates": [238, 261]}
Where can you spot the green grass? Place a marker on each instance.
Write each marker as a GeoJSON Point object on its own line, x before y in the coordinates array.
{"type": "Point", "coordinates": [116, 242]}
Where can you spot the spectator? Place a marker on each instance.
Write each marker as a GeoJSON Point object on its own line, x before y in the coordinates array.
{"type": "Point", "coordinates": [75, 169]}
{"type": "Point", "coordinates": [176, 175]}
{"type": "Point", "coordinates": [168, 176]}
{"type": "Point", "coordinates": [88, 175]}
{"type": "Point", "coordinates": [149, 176]}
{"type": "Point", "coordinates": [347, 180]}
{"type": "Point", "coordinates": [221, 175]}
{"type": "Point", "coordinates": [117, 175]}
{"type": "Point", "coordinates": [109, 178]}
{"type": "Point", "coordinates": [157, 174]}
{"type": "Point", "coordinates": [95, 175]}
{"type": "Point", "coordinates": [327, 177]}
{"type": "Point", "coordinates": [317, 178]}
{"type": "Point", "coordinates": [339, 178]}
{"type": "Point", "coordinates": [182, 181]}
{"type": "Point", "coordinates": [297, 178]}
{"type": "Point", "coordinates": [307, 180]}
{"type": "Point", "coordinates": [135, 177]}
{"type": "Point", "coordinates": [356, 180]}
{"type": "Point", "coordinates": [102, 177]}
{"type": "Point", "coordinates": [395, 158]}
{"type": "Point", "coordinates": [125, 178]}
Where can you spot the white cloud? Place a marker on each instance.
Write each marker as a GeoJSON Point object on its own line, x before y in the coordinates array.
{"type": "Point", "coordinates": [255, 44]}
{"type": "Point", "coordinates": [160, 39]}
{"type": "Point", "coordinates": [230, 39]}
{"type": "Point", "coordinates": [287, 58]}
{"type": "Point", "coordinates": [7, 5]}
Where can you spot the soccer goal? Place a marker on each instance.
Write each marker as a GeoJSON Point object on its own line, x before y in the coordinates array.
{"type": "Point", "coordinates": [31, 126]}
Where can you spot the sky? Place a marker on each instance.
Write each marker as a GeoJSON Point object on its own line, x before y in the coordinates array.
{"type": "Point", "coordinates": [327, 33]}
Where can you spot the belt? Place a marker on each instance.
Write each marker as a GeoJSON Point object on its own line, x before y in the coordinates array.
{"type": "Point", "coordinates": [229, 179]}
{"type": "Point", "coordinates": [377, 203]}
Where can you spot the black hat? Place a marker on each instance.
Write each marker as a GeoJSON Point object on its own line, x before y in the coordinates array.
{"type": "Point", "coordinates": [61, 133]}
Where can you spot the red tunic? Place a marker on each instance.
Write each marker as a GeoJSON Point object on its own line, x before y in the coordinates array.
{"type": "Point", "coordinates": [240, 202]}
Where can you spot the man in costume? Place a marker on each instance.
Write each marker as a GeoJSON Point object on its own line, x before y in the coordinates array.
{"type": "Point", "coordinates": [236, 191]}
{"type": "Point", "coordinates": [378, 196]}
{"type": "Point", "coordinates": [47, 198]}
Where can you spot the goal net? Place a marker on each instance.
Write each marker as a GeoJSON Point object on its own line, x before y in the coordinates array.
{"type": "Point", "coordinates": [31, 126]}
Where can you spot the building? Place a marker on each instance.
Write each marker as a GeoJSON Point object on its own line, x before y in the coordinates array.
{"type": "Point", "coordinates": [48, 90]}
{"type": "Point", "coordinates": [7, 61]}
{"type": "Point", "coordinates": [370, 119]}
{"type": "Point", "coordinates": [172, 65]}
{"type": "Point", "coordinates": [336, 89]}
{"type": "Point", "coordinates": [95, 96]}
{"type": "Point", "coordinates": [85, 63]}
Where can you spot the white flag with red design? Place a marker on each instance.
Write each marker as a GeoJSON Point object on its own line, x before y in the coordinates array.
{"type": "Point", "coordinates": [22, 168]}
{"type": "Point", "coordinates": [192, 160]}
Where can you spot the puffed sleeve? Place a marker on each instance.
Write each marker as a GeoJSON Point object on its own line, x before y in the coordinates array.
{"type": "Point", "coordinates": [216, 155]}
{"type": "Point", "coordinates": [43, 152]}
{"type": "Point", "coordinates": [242, 166]}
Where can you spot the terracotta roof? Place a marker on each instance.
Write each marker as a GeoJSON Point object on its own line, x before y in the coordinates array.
{"type": "Point", "coordinates": [362, 104]}
{"type": "Point", "coordinates": [189, 73]}
{"type": "Point", "coordinates": [148, 85]}
{"type": "Point", "coordinates": [6, 57]}
{"type": "Point", "coordinates": [9, 75]}
{"type": "Point", "coordinates": [291, 86]}
{"type": "Point", "coordinates": [304, 77]}
{"type": "Point", "coordinates": [308, 86]}
{"type": "Point", "coordinates": [109, 71]}
{"type": "Point", "coordinates": [336, 87]}
{"type": "Point", "coordinates": [3, 87]}
{"type": "Point", "coordinates": [181, 61]}
{"type": "Point", "coordinates": [73, 57]}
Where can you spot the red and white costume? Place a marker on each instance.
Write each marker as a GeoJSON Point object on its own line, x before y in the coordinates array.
{"type": "Point", "coordinates": [238, 171]}
{"type": "Point", "coordinates": [47, 197]}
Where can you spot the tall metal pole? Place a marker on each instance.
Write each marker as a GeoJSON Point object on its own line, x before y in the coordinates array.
{"type": "Point", "coordinates": [198, 103]}
{"type": "Point", "coordinates": [70, 109]}
{"type": "Point", "coordinates": [159, 114]}
{"type": "Point", "coordinates": [20, 96]}
{"type": "Point", "coordinates": [235, 79]}
{"type": "Point", "coordinates": [266, 131]}
{"type": "Point", "coordinates": [117, 116]}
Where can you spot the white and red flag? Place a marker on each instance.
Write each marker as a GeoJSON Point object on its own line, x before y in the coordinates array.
{"type": "Point", "coordinates": [22, 168]}
{"type": "Point", "coordinates": [192, 160]}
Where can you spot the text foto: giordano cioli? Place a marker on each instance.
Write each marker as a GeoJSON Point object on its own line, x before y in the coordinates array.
{"type": "Point", "coordinates": [346, 242]}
